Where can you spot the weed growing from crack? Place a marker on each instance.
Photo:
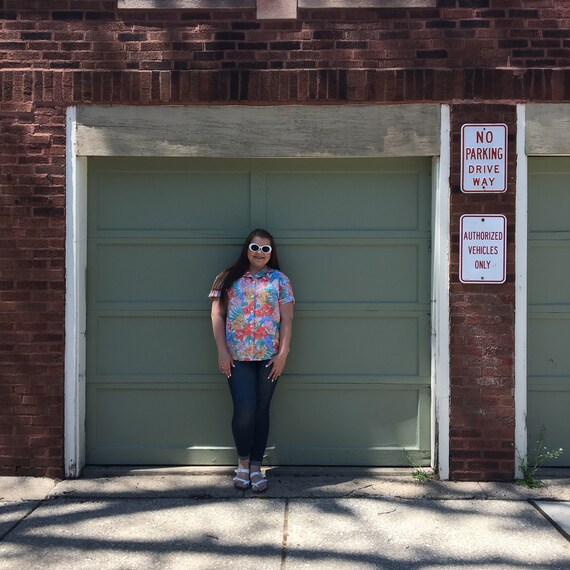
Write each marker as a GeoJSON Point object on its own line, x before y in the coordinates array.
{"type": "Point", "coordinates": [420, 474]}
{"type": "Point", "coordinates": [541, 455]}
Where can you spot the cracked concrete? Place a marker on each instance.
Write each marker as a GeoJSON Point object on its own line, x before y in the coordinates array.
{"type": "Point", "coordinates": [312, 517]}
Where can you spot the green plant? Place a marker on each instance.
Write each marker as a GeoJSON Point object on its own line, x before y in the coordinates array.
{"type": "Point", "coordinates": [420, 474]}
{"type": "Point", "coordinates": [541, 454]}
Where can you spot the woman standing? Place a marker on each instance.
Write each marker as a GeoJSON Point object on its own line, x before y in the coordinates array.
{"type": "Point", "coordinates": [252, 315]}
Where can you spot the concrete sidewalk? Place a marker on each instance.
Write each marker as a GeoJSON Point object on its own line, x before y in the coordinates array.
{"type": "Point", "coordinates": [178, 518]}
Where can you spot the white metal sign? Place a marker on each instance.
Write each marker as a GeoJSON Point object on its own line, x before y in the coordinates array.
{"type": "Point", "coordinates": [482, 248]}
{"type": "Point", "coordinates": [484, 157]}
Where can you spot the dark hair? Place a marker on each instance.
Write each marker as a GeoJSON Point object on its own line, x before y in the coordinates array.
{"type": "Point", "coordinates": [229, 276]}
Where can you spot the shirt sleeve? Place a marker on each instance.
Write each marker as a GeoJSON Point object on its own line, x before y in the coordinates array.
{"type": "Point", "coordinates": [285, 290]}
{"type": "Point", "coordinates": [216, 291]}
{"type": "Point", "coordinates": [214, 294]}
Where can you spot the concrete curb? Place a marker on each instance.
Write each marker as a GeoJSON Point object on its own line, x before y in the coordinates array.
{"type": "Point", "coordinates": [16, 489]}
{"type": "Point", "coordinates": [285, 483]}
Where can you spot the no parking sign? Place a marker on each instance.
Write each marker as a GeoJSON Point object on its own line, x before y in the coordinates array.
{"type": "Point", "coordinates": [484, 158]}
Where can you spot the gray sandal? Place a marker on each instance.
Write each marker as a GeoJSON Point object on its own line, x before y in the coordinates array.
{"type": "Point", "coordinates": [255, 486]}
{"type": "Point", "coordinates": [240, 482]}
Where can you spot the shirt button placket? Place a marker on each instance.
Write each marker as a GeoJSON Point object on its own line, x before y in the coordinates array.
{"type": "Point", "coordinates": [255, 320]}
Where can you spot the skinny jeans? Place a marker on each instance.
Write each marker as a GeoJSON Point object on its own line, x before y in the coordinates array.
{"type": "Point", "coordinates": [251, 392]}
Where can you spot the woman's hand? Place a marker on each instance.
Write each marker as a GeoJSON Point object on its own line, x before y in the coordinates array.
{"type": "Point", "coordinates": [225, 363]}
{"type": "Point", "coordinates": [277, 364]}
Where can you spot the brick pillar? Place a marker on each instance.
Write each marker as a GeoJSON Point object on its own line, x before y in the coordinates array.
{"type": "Point", "coordinates": [482, 413]}
{"type": "Point", "coordinates": [32, 283]}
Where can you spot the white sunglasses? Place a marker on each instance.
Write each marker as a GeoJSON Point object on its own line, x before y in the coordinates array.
{"type": "Point", "coordinates": [263, 248]}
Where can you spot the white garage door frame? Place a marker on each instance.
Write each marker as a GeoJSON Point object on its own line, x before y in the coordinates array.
{"type": "Point", "coordinates": [521, 236]}
{"type": "Point", "coordinates": [285, 131]}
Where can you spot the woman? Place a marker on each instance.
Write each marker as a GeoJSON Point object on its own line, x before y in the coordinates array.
{"type": "Point", "coordinates": [252, 316]}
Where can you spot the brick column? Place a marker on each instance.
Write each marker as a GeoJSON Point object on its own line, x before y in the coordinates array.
{"type": "Point", "coordinates": [482, 414]}
{"type": "Point", "coordinates": [32, 284]}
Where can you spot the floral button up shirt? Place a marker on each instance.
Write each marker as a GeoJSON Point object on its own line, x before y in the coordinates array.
{"type": "Point", "coordinates": [252, 314]}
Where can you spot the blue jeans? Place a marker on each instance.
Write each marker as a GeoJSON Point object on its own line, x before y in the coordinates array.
{"type": "Point", "coordinates": [251, 394]}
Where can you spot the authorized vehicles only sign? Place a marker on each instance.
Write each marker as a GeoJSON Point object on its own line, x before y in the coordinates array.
{"type": "Point", "coordinates": [482, 249]}
{"type": "Point", "coordinates": [484, 157]}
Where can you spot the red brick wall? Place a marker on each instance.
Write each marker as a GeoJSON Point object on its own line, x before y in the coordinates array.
{"type": "Point", "coordinates": [482, 324]}
{"type": "Point", "coordinates": [32, 262]}
{"type": "Point", "coordinates": [83, 34]}
{"type": "Point", "coordinates": [54, 54]}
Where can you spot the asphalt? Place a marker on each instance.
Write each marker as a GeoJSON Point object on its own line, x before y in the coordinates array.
{"type": "Point", "coordinates": [192, 518]}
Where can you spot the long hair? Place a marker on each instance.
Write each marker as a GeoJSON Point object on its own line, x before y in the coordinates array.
{"type": "Point", "coordinates": [230, 275]}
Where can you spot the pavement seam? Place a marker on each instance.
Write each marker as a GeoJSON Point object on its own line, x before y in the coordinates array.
{"type": "Point", "coordinates": [19, 522]}
{"type": "Point", "coordinates": [72, 496]}
{"type": "Point", "coordinates": [285, 535]}
{"type": "Point", "coordinates": [551, 520]}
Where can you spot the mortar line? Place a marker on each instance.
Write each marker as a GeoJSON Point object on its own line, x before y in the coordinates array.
{"type": "Point", "coordinates": [285, 535]}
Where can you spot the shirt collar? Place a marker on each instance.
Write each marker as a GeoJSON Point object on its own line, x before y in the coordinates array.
{"type": "Point", "coordinates": [259, 274]}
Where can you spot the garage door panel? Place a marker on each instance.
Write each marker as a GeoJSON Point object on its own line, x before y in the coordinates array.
{"type": "Point", "coordinates": [378, 346]}
{"type": "Point", "coordinates": [141, 421]}
{"type": "Point", "coordinates": [400, 415]}
{"type": "Point", "coordinates": [152, 345]}
{"type": "Point", "coordinates": [549, 304]}
{"type": "Point", "coordinates": [548, 337]}
{"type": "Point", "coordinates": [549, 272]}
{"type": "Point", "coordinates": [548, 411]}
{"type": "Point", "coordinates": [178, 345]}
{"type": "Point", "coordinates": [164, 201]}
{"type": "Point", "coordinates": [146, 425]}
{"type": "Point", "coordinates": [549, 199]}
{"type": "Point", "coordinates": [165, 274]}
{"type": "Point", "coordinates": [166, 455]}
{"type": "Point", "coordinates": [363, 272]}
{"type": "Point", "coordinates": [343, 201]}
{"type": "Point", "coordinates": [391, 413]}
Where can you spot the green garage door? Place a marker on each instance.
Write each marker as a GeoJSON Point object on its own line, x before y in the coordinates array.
{"type": "Point", "coordinates": [549, 304]}
{"type": "Point", "coordinates": [354, 237]}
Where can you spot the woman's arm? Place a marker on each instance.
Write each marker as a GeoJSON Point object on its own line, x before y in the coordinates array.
{"type": "Point", "coordinates": [285, 333]}
{"type": "Point", "coordinates": [218, 314]}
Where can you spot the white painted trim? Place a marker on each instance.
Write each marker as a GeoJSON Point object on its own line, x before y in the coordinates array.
{"type": "Point", "coordinates": [440, 301]}
{"type": "Point", "coordinates": [75, 302]}
{"type": "Point", "coordinates": [76, 264]}
{"type": "Point", "coordinates": [521, 286]}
